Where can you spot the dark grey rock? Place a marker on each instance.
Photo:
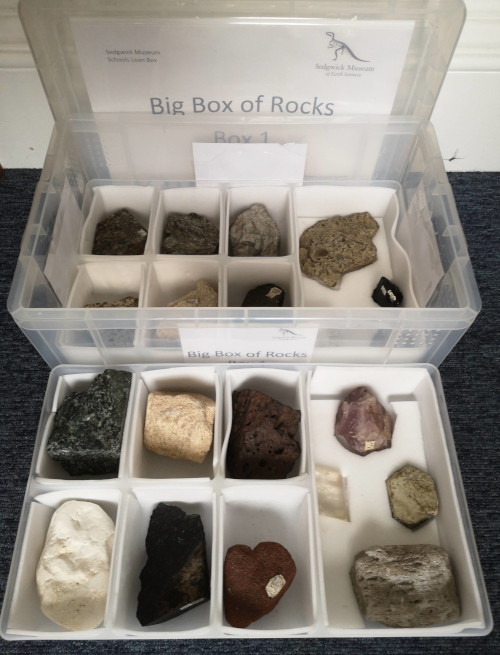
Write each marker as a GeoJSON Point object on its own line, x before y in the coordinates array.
{"type": "Point", "coordinates": [175, 578]}
{"type": "Point", "coordinates": [254, 233]}
{"type": "Point", "coordinates": [412, 496]}
{"type": "Point", "coordinates": [265, 295]}
{"type": "Point", "coordinates": [88, 426]}
{"type": "Point", "coordinates": [405, 586]}
{"type": "Point", "coordinates": [189, 234]}
{"type": "Point", "coordinates": [362, 424]}
{"type": "Point", "coordinates": [387, 294]}
{"type": "Point", "coordinates": [262, 442]}
{"type": "Point", "coordinates": [337, 245]}
{"type": "Point", "coordinates": [119, 234]}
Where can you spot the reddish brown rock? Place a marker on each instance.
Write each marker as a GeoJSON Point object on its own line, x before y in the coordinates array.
{"type": "Point", "coordinates": [362, 424]}
{"type": "Point", "coordinates": [255, 581]}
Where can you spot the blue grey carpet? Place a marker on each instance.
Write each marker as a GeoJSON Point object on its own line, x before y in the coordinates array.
{"type": "Point", "coordinates": [470, 380]}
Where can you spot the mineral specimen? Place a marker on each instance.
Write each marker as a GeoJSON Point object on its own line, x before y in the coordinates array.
{"type": "Point", "coordinates": [179, 425]}
{"type": "Point", "coordinates": [412, 496]}
{"type": "Point", "coordinates": [405, 586]}
{"type": "Point", "coordinates": [255, 581]}
{"type": "Point", "coordinates": [337, 245]}
{"type": "Point", "coordinates": [175, 578]}
{"type": "Point", "coordinates": [387, 294]}
{"type": "Point", "coordinates": [202, 296]}
{"type": "Point", "coordinates": [362, 425]}
{"type": "Point", "coordinates": [254, 233]}
{"type": "Point", "coordinates": [189, 234]}
{"type": "Point", "coordinates": [128, 301]}
{"type": "Point", "coordinates": [119, 234]}
{"type": "Point", "coordinates": [88, 426]}
{"type": "Point", "coordinates": [265, 295]}
{"type": "Point", "coordinates": [261, 443]}
{"type": "Point", "coordinates": [330, 493]}
{"type": "Point", "coordinates": [73, 571]}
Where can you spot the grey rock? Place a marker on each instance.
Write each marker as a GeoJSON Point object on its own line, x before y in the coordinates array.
{"type": "Point", "coordinates": [362, 424]}
{"type": "Point", "coordinates": [412, 496]}
{"type": "Point", "coordinates": [407, 586]}
{"type": "Point", "coordinates": [127, 301]}
{"type": "Point", "coordinates": [119, 234]}
{"type": "Point", "coordinates": [203, 295]}
{"type": "Point", "coordinates": [88, 426]}
{"type": "Point", "coordinates": [337, 245]}
{"type": "Point", "coordinates": [254, 233]}
{"type": "Point", "coordinates": [189, 234]}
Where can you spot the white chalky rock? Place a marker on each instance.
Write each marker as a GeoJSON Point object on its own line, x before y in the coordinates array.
{"type": "Point", "coordinates": [73, 572]}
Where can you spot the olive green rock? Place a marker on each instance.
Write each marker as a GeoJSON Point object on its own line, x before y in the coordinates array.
{"type": "Point", "coordinates": [412, 496]}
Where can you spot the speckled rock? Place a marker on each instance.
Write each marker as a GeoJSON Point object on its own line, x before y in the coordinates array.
{"type": "Point", "coordinates": [362, 424]}
{"type": "Point", "coordinates": [72, 575]}
{"type": "Point", "coordinates": [88, 426]}
{"type": "Point", "coordinates": [127, 301]}
{"type": "Point", "coordinates": [189, 234]}
{"type": "Point", "coordinates": [412, 496]}
{"type": "Point", "coordinates": [265, 295]}
{"type": "Point", "coordinates": [407, 586]}
{"type": "Point", "coordinates": [120, 234]}
{"type": "Point", "coordinates": [202, 296]}
{"type": "Point", "coordinates": [179, 425]}
{"type": "Point", "coordinates": [175, 578]}
{"type": "Point", "coordinates": [337, 245]}
{"type": "Point", "coordinates": [254, 233]}
{"type": "Point", "coordinates": [255, 581]}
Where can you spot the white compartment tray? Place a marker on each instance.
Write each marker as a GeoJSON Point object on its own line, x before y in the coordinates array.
{"type": "Point", "coordinates": [320, 602]}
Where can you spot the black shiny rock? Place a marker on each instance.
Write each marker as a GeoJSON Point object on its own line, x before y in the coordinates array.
{"type": "Point", "coordinates": [387, 294]}
{"type": "Point", "coordinates": [88, 426]}
{"type": "Point", "coordinates": [265, 295]}
{"type": "Point", "coordinates": [175, 578]}
{"type": "Point", "coordinates": [189, 234]}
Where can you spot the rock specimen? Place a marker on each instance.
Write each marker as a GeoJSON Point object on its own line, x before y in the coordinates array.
{"type": "Point", "coordinates": [262, 444]}
{"type": "Point", "coordinates": [175, 578]}
{"type": "Point", "coordinates": [337, 245]}
{"type": "Point", "coordinates": [179, 425]}
{"type": "Point", "coordinates": [405, 586]}
{"type": "Point", "coordinates": [362, 425]}
{"type": "Point", "coordinates": [265, 295]}
{"type": "Point", "coordinates": [202, 296]}
{"type": "Point", "coordinates": [119, 234]}
{"type": "Point", "coordinates": [189, 234]}
{"type": "Point", "coordinates": [254, 234]}
{"type": "Point", "coordinates": [73, 571]}
{"type": "Point", "coordinates": [387, 294]}
{"type": "Point", "coordinates": [255, 581]}
{"type": "Point", "coordinates": [128, 301]}
{"type": "Point", "coordinates": [412, 496]}
{"type": "Point", "coordinates": [330, 493]}
{"type": "Point", "coordinates": [88, 426]}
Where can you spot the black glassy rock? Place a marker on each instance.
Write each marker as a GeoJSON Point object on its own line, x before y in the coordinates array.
{"type": "Point", "coordinates": [387, 294]}
{"type": "Point", "coordinates": [189, 234]}
{"type": "Point", "coordinates": [265, 295]}
{"type": "Point", "coordinates": [175, 578]}
{"type": "Point", "coordinates": [119, 234]}
{"type": "Point", "coordinates": [88, 426]}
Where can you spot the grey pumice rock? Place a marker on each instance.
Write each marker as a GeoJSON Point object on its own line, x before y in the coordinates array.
{"type": "Point", "coordinates": [254, 233]}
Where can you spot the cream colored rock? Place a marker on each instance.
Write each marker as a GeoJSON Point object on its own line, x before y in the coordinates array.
{"type": "Point", "coordinates": [73, 571]}
{"type": "Point", "coordinates": [179, 425]}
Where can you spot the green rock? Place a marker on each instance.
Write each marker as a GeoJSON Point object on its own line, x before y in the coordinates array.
{"type": "Point", "coordinates": [88, 426]}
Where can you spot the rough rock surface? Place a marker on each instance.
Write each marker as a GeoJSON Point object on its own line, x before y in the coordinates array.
{"type": "Point", "coordinates": [189, 234]}
{"type": "Point", "coordinates": [412, 496]}
{"type": "Point", "coordinates": [362, 424]}
{"type": "Point", "coordinates": [88, 426]}
{"type": "Point", "coordinates": [405, 586]}
{"type": "Point", "coordinates": [255, 581]}
{"type": "Point", "coordinates": [265, 295]}
{"type": "Point", "coordinates": [128, 301]}
{"type": "Point", "coordinates": [262, 442]}
{"type": "Point", "coordinates": [254, 233]}
{"type": "Point", "coordinates": [179, 425]}
{"type": "Point", "coordinates": [73, 571]}
{"type": "Point", "coordinates": [202, 296]}
{"type": "Point", "coordinates": [175, 578]}
{"type": "Point", "coordinates": [337, 245]}
{"type": "Point", "coordinates": [387, 294]}
{"type": "Point", "coordinates": [119, 234]}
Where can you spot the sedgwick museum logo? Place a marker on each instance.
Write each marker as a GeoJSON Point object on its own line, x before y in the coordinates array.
{"type": "Point", "coordinates": [344, 59]}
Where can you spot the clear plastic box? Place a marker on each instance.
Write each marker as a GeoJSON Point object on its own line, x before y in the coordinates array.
{"type": "Point", "coordinates": [320, 602]}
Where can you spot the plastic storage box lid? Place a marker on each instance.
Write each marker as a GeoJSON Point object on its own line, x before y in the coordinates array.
{"type": "Point", "coordinates": [206, 59]}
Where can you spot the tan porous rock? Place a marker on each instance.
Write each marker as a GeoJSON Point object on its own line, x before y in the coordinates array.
{"type": "Point", "coordinates": [179, 425]}
{"type": "Point", "coordinates": [73, 571]}
{"type": "Point", "coordinates": [203, 295]}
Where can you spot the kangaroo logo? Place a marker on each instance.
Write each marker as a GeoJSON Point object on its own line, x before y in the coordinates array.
{"type": "Point", "coordinates": [341, 48]}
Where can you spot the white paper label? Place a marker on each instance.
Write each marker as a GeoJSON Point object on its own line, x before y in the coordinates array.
{"type": "Point", "coordinates": [242, 67]}
{"type": "Point", "coordinates": [274, 344]}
